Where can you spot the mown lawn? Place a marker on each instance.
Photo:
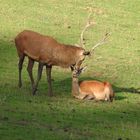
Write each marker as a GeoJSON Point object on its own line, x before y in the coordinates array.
{"type": "Point", "coordinates": [27, 117]}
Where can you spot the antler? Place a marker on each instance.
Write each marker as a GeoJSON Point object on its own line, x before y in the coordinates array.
{"type": "Point", "coordinates": [101, 42]}
{"type": "Point", "coordinates": [88, 24]}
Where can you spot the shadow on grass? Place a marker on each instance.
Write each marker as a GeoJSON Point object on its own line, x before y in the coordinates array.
{"type": "Point", "coordinates": [119, 97]}
{"type": "Point", "coordinates": [125, 89]}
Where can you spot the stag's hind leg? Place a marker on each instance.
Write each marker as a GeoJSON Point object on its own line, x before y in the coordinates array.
{"type": "Point", "coordinates": [21, 59]}
{"type": "Point", "coordinates": [29, 69]}
{"type": "Point", "coordinates": [48, 71]}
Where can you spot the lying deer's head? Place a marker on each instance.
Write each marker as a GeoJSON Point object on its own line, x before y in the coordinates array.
{"type": "Point", "coordinates": [77, 71]}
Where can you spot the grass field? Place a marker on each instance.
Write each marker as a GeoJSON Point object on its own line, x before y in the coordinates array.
{"type": "Point", "coordinates": [24, 117]}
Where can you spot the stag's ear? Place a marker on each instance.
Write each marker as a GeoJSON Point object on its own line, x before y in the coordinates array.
{"type": "Point", "coordinates": [86, 53]}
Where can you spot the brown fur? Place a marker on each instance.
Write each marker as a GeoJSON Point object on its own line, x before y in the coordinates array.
{"type": "Point", "coordinates": [45, 49]}
{"type": "Point", "coordinates": [95, 90]}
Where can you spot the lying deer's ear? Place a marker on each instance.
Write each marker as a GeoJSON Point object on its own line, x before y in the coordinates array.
{"type": "Point", "coordinates": [72, 67]}
{"type": "Point", "coordinates": [86, 53]}
{"type": "Point", "coordinates": [83, 69]}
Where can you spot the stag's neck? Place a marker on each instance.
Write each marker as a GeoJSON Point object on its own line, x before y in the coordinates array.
{"type": "Point", "coordinates": [75, 86]}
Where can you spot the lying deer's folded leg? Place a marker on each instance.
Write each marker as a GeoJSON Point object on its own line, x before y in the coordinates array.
{"type": "Point", "coordinates": [90, 97]}
{"type": "Point", "coordinates": [80, 96]}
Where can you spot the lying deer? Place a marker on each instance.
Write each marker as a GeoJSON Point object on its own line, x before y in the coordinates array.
{"type": "Point", "coordinates": [91, 89]}
{"type": "Point", "coordinates": [47, 51]}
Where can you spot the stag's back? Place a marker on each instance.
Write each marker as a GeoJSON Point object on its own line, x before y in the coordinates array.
{"type": "Point", "coordinates": [46, 49]}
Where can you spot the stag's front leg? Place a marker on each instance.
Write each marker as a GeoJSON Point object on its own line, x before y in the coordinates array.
{"type": "Point", "coordinates": [29, 69]}
{"type": "Point", "coordinates": [40, 68]}
{"type": "Point", "coordinates": [48, 71]}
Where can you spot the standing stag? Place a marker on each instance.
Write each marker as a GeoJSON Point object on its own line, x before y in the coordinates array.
{"type": "Point", "coordinates": [47, 51]}
{"type": "Point", "coordinates": [91, 89]}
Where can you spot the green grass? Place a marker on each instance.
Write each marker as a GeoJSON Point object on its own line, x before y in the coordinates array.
{"type": "Point", "coordinates": [23, 116]}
